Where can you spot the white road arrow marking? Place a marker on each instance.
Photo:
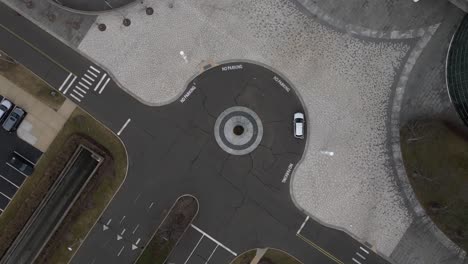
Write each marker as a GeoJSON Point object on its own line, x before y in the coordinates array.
{"type": "Point", "coordinates": [134, 247]}
{"type": "Point", "coordinates": [119, 237]}
{"type": "Point", "coordinates": [104, 227]}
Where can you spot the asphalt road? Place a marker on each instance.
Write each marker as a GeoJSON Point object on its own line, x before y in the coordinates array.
{"type": "Point", "coordinates": [244, 200]}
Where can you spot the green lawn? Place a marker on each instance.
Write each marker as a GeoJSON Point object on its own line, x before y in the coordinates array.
{"type": "Point", "coordinates": [29, 82]}
{"type": "Point", "coordinates": [435, 154]}
{"type": "Point", "coordinates": [274, 256]}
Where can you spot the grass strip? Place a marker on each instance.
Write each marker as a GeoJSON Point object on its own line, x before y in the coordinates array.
{"type": "Point", "coordinates": [171, 230]}
{"type": "Point", "coordinates": [274, 256]}
{"type": "Point", "coordinates": [435, 155]}
{"type": "Point", "coordinates": [245, 258]}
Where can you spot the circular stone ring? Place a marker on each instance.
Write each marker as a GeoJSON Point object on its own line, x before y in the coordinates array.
{"type": "Point", "coordinates": [238, 130]}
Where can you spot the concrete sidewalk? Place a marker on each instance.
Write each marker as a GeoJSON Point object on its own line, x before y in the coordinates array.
{"type": "Point", "coordinates": [42, 124]}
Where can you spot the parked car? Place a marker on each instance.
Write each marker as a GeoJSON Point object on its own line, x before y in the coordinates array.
{"type": "Point", "coordinates": [299, 124]}
{"type": "Point", "coordinates": [14, 119]}
{"type": "Point", "coordinates": [5, 106]}
{"type": "Point", "coordinates": [21, 164]}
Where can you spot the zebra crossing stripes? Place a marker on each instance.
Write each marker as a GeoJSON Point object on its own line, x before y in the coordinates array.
{"type": "Point", "coordinates": [85, 83]}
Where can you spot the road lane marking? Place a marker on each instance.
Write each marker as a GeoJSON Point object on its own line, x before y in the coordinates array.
{"type": "Point", "coordinates": [303, 224]}
{"type": "Point", "coordinates": [16, 169]}
{"type": "Point", "coordinates": [64, 82]}
{"type": "Point", "coordinates": [17, 187]}
{"type": "Point", "coordinates": [74, 97]}
{"type": "Point", "coordinates": [69, 85]}
{"type": "Point", "coordinates": [89, 77]}
{"type": "Point", "coordinates": [193, 250]}
{"type": "Point", "coordinates": [86, 81]}
{"type": "Point", "coordinates": [134, 230]}
{"type": "Point", "coordinates": [363, 249]}
{"type": "Point", "coordinates": [123, 127]}
{"type": "Point", "coordinates": [120, 252]}
{"type": "Point", "coordinates": [123, 232]}
{"type": "Point", "coordinates": [151, 205]}
{"type": "Point", "coordinates": [356, 261]}
{"type": "Point", "coordinates": [78, 93]}
{"type": "Point", "coordinates": [212, 253]}
{"type": "Point", "coordinates": [96, 70]}
{"type": "Point", "coordinates": [100, 81]}
{"type": "Point", "coordinates": [361, 256]}
{"type": "Point", "coordinates": [5, 196]}
{"type": "Point", "coordinates": [138, 196]}
{"type": "Point", "coordinates": [321, 250]}
{"type": "Point", "coordinates": [214, 240]}
{"type": "Point", "coordinates": [104, 86]}
{"type": "Point", "coordinates": [138, 241]}
{"type": "Point", "coordinates": [121, 220]}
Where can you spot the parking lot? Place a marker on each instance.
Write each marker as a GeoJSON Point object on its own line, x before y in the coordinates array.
{"type": "Point", "coordinates": [198, 247]}
{"type": "Point", "coordinates": [11, 178]}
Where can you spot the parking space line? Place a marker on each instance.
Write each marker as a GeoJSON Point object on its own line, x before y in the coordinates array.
{"type": "Point", "coordinates": [64, 82]}
{"type": "Point", "coordinates": [100, 81]}
{"type": "Point", "coordinates": [76, 98]}
{"type": "Point", "coordinates": [84, 85]}
{"type": "Point", "coordinates": [214, 240]}
{"type": "Point", "coordinates": [104, 86]}
{"type": "Point", "coordinates": [69, 85]}
{"type": "Point", "coordinates": [321, 250]}
{"type": "Point", "coordinates": [17, 187]}
{"type": "Point", "coordinates": [361, 256]}
{"type": "Point", "coordinates": [92, 73]}
{"type": "Point", "coordinates": [212, 253]}
{"type": "Point", "coordinates": [78, 93]}
{"type": "Point", "coordinates": [123, 127]}
{"type": "Point", "coordinates": [83, 91]}
{"type": "Point", "coordinates": [193, 250]}
{"type": "Point", "coordinates": [356, 261]}
{"type": "Point", "coordinates": [96, 70]}
{"type": "Point", "coordinates": [16, 169]}
{"type": "Point", "coordinates": [5, 196]}
{"type": "Point", "coordinates": [86, 81]}
{"type": "Point", "coordinates": [24, 157]}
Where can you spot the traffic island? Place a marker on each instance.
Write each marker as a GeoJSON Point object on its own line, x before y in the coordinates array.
{"type": "Point", "coordinates": [435, 154]}
{"type": "Point", "coordinates": [275, 256]}
{"type": "Point", "coordinates": [171, 230]}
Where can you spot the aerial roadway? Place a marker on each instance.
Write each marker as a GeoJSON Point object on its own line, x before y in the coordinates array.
{"type": "Point", "coordinates": [227, 140]}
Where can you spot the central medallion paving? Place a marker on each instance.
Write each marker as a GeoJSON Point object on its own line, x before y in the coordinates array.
{"type": "Point", "coordinates": [238, 130]}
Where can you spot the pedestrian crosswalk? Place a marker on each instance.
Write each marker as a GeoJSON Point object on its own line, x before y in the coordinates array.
{"type": "Point", "coordinates": [77, 88]}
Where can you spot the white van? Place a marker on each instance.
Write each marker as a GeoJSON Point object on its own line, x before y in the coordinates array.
{"type": "Point", "coordinates": [299, 124]}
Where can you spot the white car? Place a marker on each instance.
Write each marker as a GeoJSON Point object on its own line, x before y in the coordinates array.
{"type": "Point", "coordinates": [299, 124]}
{"type": "Point", "coordinates": [5, 105]}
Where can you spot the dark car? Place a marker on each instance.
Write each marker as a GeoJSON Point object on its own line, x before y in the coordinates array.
{"type": "Point", "coordinates": [23, 165]}
{"type": "Point", "coordinates": [14, 119]}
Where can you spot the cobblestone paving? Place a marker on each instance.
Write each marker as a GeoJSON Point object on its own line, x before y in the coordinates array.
{"type": "Point", "coordinates": [345, 84]}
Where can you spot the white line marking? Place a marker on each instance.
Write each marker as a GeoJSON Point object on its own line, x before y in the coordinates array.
{"type": "Point", "coordinates": [64, 82]}
{"type": "Point", "coordinates": [214, 240]}
{"type": "Point", "coordinates": [1, 209]}
{"type": "Point", "coordinates": [123, 232]}
{"type": "Point", "coordinates": [212, 253]}
{"type": "Point", "coordinates": [17, 187]}
{"type": "Point", "coordinates": [134, 230]}
{"type": "Point", "coordinates": [69, 85]}
{"type": "Point", "coordinates": [303, 224]}
{"type": "Point", "coordinates": [77, 93]}
{"type": "Point", "coordinates": [120, 132]}
{"type": "Point", "coordinates": [138, 241]}
{"type": "Point", "coordinates": [151, 205]}
{"type": "Point", "coordinates": [24, 157]}
{"type": "Point", "coordinates": [86, 81]}
{"type": "Point", "coordinates": [108, 222]}
{"type": "Point", "coordinates": [121, 220]}
{"type": "Point", "coordinates": [92, 73]}
{"type": "Point", "coordinates": [120, 252]}
{"type": "Point", "coordinates": [83, 91]}
{"type": "Point", "coordinates": [89, 77]}
{"type": "Point", "coordinates": [76, 98]}
{"type": "Point", "coordinates": [138, 196]}
{"type": "Point", "coordinates": [193, 250]}
{"type": "Point", "coordinates": [361, 256]}
{"type": "Point", "coordinates": [100, 81]}
{"type": "Point", "coordinates": [104, 86]}
{"type": "Point", "coordinates": [96, 70]}
{"type": "Point", "coordinates": [363, 249]}
{"type": "Point", "coordinates": [356, 261]}
{"type": "Point", "coordinates": [16, 169]}
{"type": "Point", "coordinates": [5, 196]}
{"type": "Point", "coordinates": [84, 85]}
